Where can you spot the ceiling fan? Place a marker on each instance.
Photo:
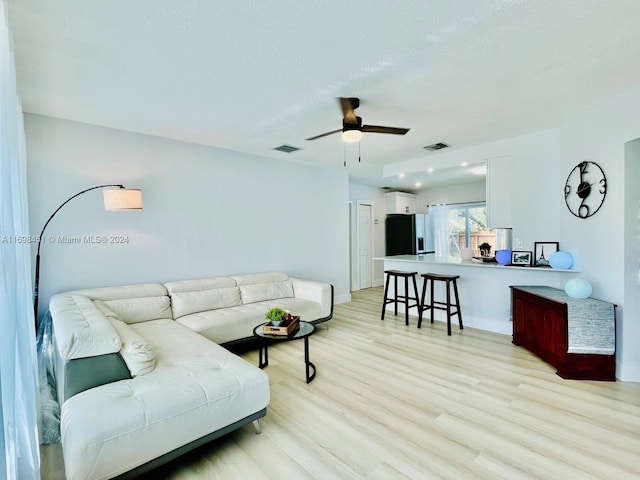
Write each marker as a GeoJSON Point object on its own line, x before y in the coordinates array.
{"type": "Point", "coordinates": [352, 127]}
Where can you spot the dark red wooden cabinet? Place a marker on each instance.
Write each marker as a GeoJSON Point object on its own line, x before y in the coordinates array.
{"type": "Point", "coordinates": [540, 325]}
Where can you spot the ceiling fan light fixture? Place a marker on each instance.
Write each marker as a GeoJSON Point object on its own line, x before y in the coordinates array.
{"type": "Point", "coordinates": [351, 136]}
{"type": "Point", "coordinates": [352, 126]}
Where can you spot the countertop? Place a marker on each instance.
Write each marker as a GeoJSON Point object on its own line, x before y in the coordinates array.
{"type": "Point", "coordinates": [431, 259]}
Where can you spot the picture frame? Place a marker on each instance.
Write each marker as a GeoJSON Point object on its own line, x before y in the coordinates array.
{"type": "Point", "coordinates": [523, 258]}
{"type": "Point", "coordinates": [542, 251]}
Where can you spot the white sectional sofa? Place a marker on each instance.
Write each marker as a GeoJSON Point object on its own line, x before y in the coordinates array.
{"type": "Point", "coordinates": [141, 375]}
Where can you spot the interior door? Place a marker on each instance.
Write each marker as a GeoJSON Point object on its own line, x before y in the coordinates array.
{"type": "Point", "coordinates": [365, 261]}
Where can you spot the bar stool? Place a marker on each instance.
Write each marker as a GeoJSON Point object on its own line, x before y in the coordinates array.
{"type": "Point", "coordinates": [397, 298]}
{"type": "Point", "coordinates": [437, 305]}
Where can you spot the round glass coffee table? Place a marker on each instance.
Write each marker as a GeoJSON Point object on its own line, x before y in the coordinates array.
{"type": "Point", "coordinates": [306, 329]}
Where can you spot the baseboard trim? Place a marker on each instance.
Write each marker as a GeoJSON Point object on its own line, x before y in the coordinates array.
{"type": "Point", "coordinates": [490, 325]}
{"type": "Point", "coordinates": [628, 372]}
{"type": "Point", "coordinates": [344, 298]}
{"type": "Point", "coordinates": [503, 327]}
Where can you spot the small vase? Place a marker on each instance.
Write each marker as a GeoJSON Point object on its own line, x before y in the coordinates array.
{"type": "Point", "coordinates": [276, 323]}
{"type": "Point", "coordinates": [503, 257]}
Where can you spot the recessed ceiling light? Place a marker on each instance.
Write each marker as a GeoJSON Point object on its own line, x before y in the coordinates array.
{"type": "Point", "coordinates": [430, 169]}
{"type": "Point", "coordinates": [401, 175]}
{"type": "Point", "coordinates": [418, 184]}
{"type": "Point", "coordinates": [479, 170]}
{"type": "Point", "coordinates": [464, 164]}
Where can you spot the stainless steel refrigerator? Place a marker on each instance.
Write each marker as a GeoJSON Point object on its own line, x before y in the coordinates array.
{"type": "Point", "coordinates": [409, 234]}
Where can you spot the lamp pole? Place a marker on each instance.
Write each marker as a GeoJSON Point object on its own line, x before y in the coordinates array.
{"type": "Point", "coordinates": [41, 237]}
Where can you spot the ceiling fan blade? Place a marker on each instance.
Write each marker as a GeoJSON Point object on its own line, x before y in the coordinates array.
{"type": "Point", "coordinates": [324, 134]}
{"type": "Point", "coordinates": [348, 105]}
{"type": "Point", "coordinates": [379, 129]}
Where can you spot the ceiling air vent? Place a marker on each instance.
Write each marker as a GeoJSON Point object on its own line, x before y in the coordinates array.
{"type": "Point", "coordinates": [287, 148]}
{"type": "Point", "coordinates": [436, 146]}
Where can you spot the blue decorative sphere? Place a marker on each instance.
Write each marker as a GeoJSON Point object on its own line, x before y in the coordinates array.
{"type": "Point", "coordinates": [503, 257]}
{"type": "Point", "coordinates": [561, 260]}
{"type": "Point", "coordinates": [578, 288]}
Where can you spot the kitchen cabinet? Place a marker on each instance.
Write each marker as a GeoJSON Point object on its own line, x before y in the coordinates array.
{"type": "Point", "coordinates": [400, 202]}
{"type": "Point", "coordinates": [499, 182]}
{"type": "Point", "coordinates": [540, 324]}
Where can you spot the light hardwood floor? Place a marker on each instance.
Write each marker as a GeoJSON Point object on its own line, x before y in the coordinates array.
{"type": "Point", "coordinates": [395, 402]}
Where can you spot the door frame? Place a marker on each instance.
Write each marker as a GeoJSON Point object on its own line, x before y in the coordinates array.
{"type": "Point", "coordinates": [371, 205]}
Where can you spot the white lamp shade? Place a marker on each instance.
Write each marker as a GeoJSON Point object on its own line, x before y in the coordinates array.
{"type": "Point", "coordinates": [351, 136]}
{"type": "Point", "coordinates": [122, 199]}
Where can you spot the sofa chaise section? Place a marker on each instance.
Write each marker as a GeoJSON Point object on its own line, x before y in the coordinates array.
{"type": "Point", "coordinates": [196, 391]}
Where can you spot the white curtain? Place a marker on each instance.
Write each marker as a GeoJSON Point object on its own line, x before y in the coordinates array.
{"type": "Point", "coordinates": [441, 229]}
{"type": "Point", "coordinates": [19, 453]}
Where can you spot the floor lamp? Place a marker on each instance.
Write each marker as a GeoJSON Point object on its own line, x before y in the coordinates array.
{"type": "Point", "coordinates": [115, 199]}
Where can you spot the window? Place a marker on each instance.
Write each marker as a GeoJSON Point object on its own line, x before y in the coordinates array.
{"type": "Point", "coordinates": [468, 227]}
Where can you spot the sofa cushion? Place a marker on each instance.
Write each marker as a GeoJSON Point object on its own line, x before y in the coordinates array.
{"type": "Point", "coordinates": [264, 286]}
{"type": "Point", "coordinates": [235, 323]}
{"type": "Point", "coordinates": [81, 329]}
{"type": "Point", "coordinates": [143, 309]}
{"type": "Point", "coordinates": [191, 296]}
{"type": "Point", "coordinates": [133, 303]}
{"type": "Point", "coordinates": [197, 388]}
{"type": "Point", "coordinates": [123, 291]}
{"type": "Point", "coordinates": [136, 350]}
{"type": "Point", "coordinates": [254, 278]}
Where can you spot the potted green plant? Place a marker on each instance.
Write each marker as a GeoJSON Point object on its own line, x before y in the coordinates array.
{"type": "Point", "coordinates": [485, 249]}
{"type": "Point", "coordinates": [275, 315]}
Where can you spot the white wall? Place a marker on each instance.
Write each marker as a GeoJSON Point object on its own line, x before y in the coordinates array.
{"type": "Point", "coordinates": [376, 195]}
{"type": "Point", "coordinates": [631, 253]}
{"type": "Point", "coordinates": [598, 242]}
{"type": "Point", "coordinates": [207, 211]}
{"type": "Point", "coordinates": [631, 329]}
{"type": "Point", "coordinates": [450, 194]}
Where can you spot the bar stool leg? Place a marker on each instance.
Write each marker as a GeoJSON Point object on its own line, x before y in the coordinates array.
{"type": "Point", "coordinates": [448, 309]}
{"type": "Point", "coordinates": [455, 290]}
{"type": "Point", "coordinates": [421, 305]}
{"type": "Point", "coordinates": [406, 300]}
{"type": "Point", "coordinates": [415, 291]}
{"type": "Point", "coordinates": [384, 299]}
{"type": "Point", "coordinates": [395, 295]}
{"type": "Point", "coordinates": [431, 299]}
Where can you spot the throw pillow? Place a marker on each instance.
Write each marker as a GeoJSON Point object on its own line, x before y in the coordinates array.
{"type": "Point", "coordinates": [136, 350]}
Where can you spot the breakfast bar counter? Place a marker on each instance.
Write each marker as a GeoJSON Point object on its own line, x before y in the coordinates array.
{"type": "Point", "coordinates": [485, 296]}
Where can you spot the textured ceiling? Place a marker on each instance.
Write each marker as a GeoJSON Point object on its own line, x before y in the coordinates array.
{"type": "Point", "coordinates": [250, 76]}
